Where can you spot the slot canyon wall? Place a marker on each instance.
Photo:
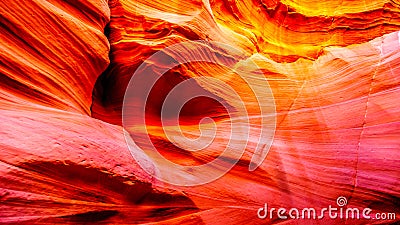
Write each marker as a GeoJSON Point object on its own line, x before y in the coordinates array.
{"type": "Point", "coordinates": [332, 66]}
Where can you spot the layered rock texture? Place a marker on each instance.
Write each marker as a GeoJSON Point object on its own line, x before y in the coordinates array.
{"type": "Point", "coordinates": [333, 68]}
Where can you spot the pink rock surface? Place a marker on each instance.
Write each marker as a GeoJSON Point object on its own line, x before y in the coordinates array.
{"type": "Point", "coordinates": [334, 73]}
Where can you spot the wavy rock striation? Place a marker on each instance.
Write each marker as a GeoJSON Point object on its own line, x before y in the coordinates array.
{"type": "Point", "coordinates": [65, 65]}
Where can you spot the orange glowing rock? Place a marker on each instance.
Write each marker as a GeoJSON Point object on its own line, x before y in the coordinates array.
{"type": "Point", "coordinates": [333, 69]}
{"type": "Point", "coordinates": [53, 51]}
